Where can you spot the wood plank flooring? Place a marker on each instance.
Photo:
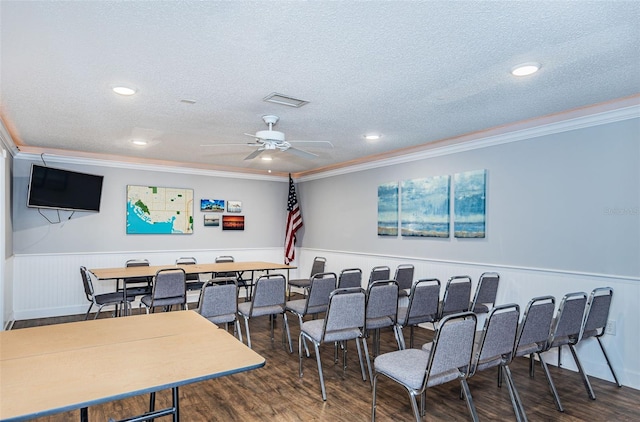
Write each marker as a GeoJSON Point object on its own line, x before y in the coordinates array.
{"type": "Point", "coordinates": [276, 393]}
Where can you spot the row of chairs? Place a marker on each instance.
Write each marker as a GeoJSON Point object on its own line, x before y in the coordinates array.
{"type": "Point", "coordinates": [143, 285]}
{"type": "Point", "coordinates": [458, 352]}
{"type": "Point", "coordinates": [536, 333]}
{"type": "Point", "coordinates": [457, 293]}
{"type": "Point", "coordinates": [168, 288]}
{"type": "Point", "coordinates": [424, 304]}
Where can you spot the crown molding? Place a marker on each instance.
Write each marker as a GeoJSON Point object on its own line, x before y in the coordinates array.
{"type": "Point", "coordinates": [595, 115]}
{"type": "Point", "coordinates": [165, 168]}
{"type": "Point", "coordinates": [468, 142]}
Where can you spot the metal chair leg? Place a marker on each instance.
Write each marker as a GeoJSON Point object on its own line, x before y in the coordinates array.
{"type": "Point", "coordinates": [469, 399]}
{"type": "Point", "coordinates": [246, 330]}
{"type": "Point", "coordinates": [604, 352]}
{"type": "Point", "coordinates": [516, 402]}
{"type": "Point", "coordinates": [317, 350]}
{"type": "Point", "coordinates": [583, 375]}
{"type": "Point", "coordinates": [552, 386]}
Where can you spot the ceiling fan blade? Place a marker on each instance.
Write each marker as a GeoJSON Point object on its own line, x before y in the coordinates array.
{"type": "Point", "coordinates": [249, 144]}
{"type": "Point", "coordinates": [253, 135]}
{"type": "Point", "coordinates": [254, 154]}
{"type": "Point", "coordinates": [301, 153]}
{"type": "Point", "coordinates": [316, 144]}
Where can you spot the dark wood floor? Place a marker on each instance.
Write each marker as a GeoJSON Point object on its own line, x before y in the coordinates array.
{"type": "Point", "coordinates": [276, 393]}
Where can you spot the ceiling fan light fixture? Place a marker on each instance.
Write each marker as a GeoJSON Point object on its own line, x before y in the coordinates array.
{"type": "Point", "coordinates": [525, 69]}
{"type": "Point", "coordinates": [276, 98]}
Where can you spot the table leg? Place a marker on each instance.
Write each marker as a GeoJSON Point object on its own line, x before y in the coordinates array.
{"type": "Point", "coordinates": [176, 405]}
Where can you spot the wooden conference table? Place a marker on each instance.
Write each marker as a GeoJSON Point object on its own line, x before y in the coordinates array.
{"type": "Point", "coordinates": [57, 368]}
{"type": "Point", "coordinates": [221, 267]}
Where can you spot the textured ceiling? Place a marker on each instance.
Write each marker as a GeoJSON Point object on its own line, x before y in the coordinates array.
{"type": "Point", "coordinates": [416, 72]}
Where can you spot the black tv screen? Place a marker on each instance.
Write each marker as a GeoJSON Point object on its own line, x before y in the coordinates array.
{"type": "Point", "coordinates": [64, 189]}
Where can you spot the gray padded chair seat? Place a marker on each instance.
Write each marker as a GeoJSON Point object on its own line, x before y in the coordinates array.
{"type": "Point", "coordinates": [318, 266]}
{"type": "Point", "coordinates": [314, 329]}
{"type": "Point", "coordinates": [381, 322]}
{"type": "Point", "coordinates": [407, 367]}
{"type": "Point", "coordinates": [298, 306]}
{"type": "Point", "coordinates": [245, 307]}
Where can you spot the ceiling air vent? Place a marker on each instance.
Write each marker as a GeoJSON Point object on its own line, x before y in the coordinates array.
{"type": "Point", "coordinates": [276, 98]}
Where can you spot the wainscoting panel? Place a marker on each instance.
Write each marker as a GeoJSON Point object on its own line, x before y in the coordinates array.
{"type": "Point", "coordinates": [50, 285]}
{"type": "Point", "coordinates": [520, 285]}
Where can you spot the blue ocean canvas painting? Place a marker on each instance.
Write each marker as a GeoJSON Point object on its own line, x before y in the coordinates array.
{"type": "Point", "coordinates": [425, 207]}
{"type": "Point", "coordinates": [469, 204]}
{"type": "Point", "coordinates": [388, 209]}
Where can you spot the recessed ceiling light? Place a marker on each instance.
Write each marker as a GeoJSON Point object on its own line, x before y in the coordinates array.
{"type": "Point", "coordinates": [372, 137]}
{"type": "Point", "coordinates": [267, 158]}
{"type": "Point", "coordinates": [525, 69]}
{"type": "Point", "coordinates": [124, 90]}
{"type": "Point", "coordinates": [140, 142]}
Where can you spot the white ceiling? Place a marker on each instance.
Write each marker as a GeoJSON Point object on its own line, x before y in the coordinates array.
{"type": "Point", "coordinates": [416, 72]}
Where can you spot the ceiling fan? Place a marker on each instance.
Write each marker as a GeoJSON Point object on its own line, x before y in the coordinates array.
{"type": "Point", "coordinates": [271, 140]}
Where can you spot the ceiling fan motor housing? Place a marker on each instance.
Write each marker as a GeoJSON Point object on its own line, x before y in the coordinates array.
{"type": "Point", "coordinates": [271, 135]}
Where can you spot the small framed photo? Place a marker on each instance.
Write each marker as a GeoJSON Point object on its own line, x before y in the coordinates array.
{"type": "Point", "coordinates": [212, 205]}
{"type": "Point", "coordinates": [234, 206]}
{"type": "Point", "coordinates": [233, 222]}
{"type": "Point", "coordinates": [211, 220]}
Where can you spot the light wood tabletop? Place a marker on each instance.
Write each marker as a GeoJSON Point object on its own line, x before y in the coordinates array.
{"type": "Point", "coordinates": [221, 267]}
{"type": "Point", "coordinates": [56, 368]}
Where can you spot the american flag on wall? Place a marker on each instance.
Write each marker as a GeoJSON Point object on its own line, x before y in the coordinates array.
{"type": "Point", "coordinates": [294, 222]}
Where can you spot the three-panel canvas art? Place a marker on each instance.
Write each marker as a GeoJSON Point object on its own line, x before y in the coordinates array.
{"type": "Point", "coordinates": [423, 207]}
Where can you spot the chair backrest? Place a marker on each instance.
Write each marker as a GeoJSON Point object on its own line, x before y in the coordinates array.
{"type": "Point", "coordinates": [456, 295]}
{"type": "Point", "coordinates": [137, 263]}
{"type": "Point", "coordinates": [423, 302]}
{"type": "Point", "coordinates": [382, 300]}
{"type": "Point", "coordinates": [567, 324]}
{"type": "Point", "coordinates": [486, 292]}
{"type": "Point", "coordinates": [270, 290]}
{"type": "Point", "coordinates": [381, 272]}
{"type": "Point", "coordinates": [497, 341]}
{"type": "Point", "coordinates": [452, 349]}
{"type": "Point", "coordinates": [597, 312]}
{"type": "Point", "coordinates": [87, 283]}
{"type": "Point", "coordinates": [318, 265]}
{"type": "Point", "coordinates": [188, 260]}
{"type": "Point", "coordinates": [218, 299]}
{"type": "Point", "coordinates": [320, 288]}
{"type": "Point", "coordinates": [533, 332]}
{"type": "Point", "coordinates": [225, 258]}
{"type": "Point", "coordinates": [169, 285]}
{"type": "Point", "coordinates": [404, 276]}
{"type": "Point", "coordinates": [345, 314]}
{"type": "Point", "coordinates": [350, 277]}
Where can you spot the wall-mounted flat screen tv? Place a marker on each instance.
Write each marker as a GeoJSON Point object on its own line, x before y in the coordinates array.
{"type": "Point", "coordinates": [64, 189]}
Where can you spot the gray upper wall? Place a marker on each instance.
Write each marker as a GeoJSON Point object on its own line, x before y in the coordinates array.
{"type": "Point", "coordinates": [568, 201]}
{"type": "Point", "coordinates": [263, 205]}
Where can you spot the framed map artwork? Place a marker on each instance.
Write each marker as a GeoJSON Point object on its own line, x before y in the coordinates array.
{"type": "Point", "coordinates": [156, 210]}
